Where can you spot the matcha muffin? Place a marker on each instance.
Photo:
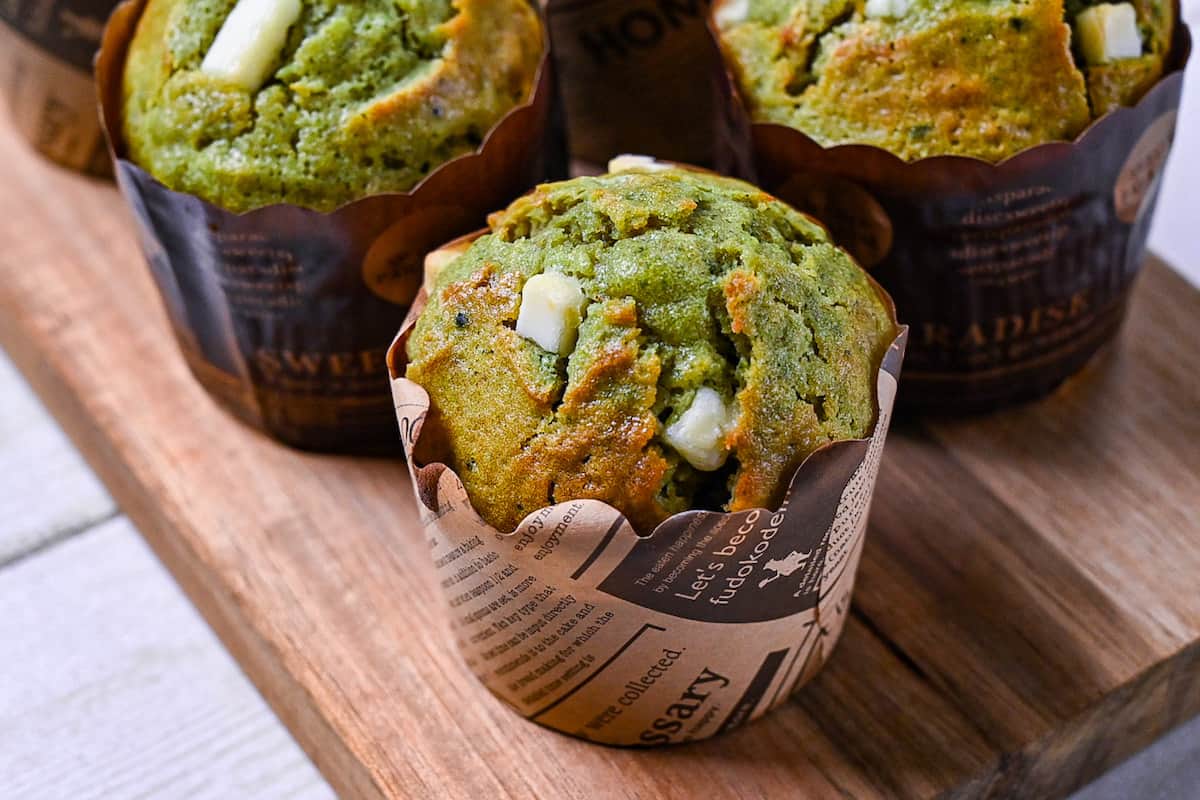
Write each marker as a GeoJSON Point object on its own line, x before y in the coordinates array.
{"type": "Point", "coordinates": [982, 78]}
{"type": "Point", "coordinates": [318, 102]}
{"type": "Point", "coordinates": [661, 340]}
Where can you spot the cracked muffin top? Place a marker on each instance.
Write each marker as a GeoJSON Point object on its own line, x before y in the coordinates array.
{"type": "Point", "coordinates": [319, 102]}
{"type": "Point", "coordinates": [982, 78]}
{"type": "Point", "coordinates": [661, 340]}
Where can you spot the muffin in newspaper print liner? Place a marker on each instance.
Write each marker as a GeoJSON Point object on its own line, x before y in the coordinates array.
{"type": "Point", "coordinates": [658, 338]}
{"type": "Point", "coordinates": [287, 252]}
{"type": "Point", "coordinates": [705, 620]}
{"type": "Point", "coordinates": [1012, 260]}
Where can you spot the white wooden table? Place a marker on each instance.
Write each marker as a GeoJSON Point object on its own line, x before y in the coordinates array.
{"type": "Point", "coordinates": [111, 686]}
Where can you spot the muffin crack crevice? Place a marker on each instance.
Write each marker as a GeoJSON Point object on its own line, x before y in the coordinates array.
{"type": "Point", "coordinates": [695, 378]}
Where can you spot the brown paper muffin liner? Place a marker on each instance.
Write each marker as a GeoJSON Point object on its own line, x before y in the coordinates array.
{"type": "Point", "coordinates": [46, 51]}
{"type": "Point", "coordinates": [580, 625]}
{"type": "Point", "coordinates": [284, 313]}
{"type": "Point", "coordinates": [635, 78]}
{"type": "Point", "coordinates": [1010, 275]}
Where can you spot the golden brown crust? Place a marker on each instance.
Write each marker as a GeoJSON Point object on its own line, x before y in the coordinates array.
{"type": "Point", "coordinates": [367, 97]}
{"type": "Point", "coordinates": [944, 77]}
{"type": "Point", "coordinates": [690, 284]}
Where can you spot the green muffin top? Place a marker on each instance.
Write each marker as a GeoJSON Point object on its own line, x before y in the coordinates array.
{"type": "Point", "coordinates": [657, 339]}
{"type": "Point", "coordinates": [983, 78]}
{"type": "Point", "coordinates": [318, 102]}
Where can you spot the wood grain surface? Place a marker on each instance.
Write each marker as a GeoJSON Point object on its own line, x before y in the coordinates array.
{"type": "Point", "coordinates": [1026, 618]}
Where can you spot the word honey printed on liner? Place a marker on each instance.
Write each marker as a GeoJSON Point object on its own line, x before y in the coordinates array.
{"type": "Point", "coordinates": [626, 66]}
{"type": "Point", "coordinates": [580, 625]}
{"type": "Point", "coordinates": [46, 50]}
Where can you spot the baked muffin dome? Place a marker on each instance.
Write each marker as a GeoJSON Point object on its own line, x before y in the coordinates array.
{"type": "Point", "coordinates": [319, 102]}
{"type": "Point", "coordinates": [659, 340]}
{"type": "Point", "coordinates": [983, 78]}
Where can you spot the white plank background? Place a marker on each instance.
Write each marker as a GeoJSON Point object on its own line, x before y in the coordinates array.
{"type": "Point", "coordinates": [1175, 234]}
{"type": "Point", "coordinates": [116, 689]}
{"type": "Point", "coordinates": [111, 686]}
{"type": "Point", "coordinates": [48, 493]}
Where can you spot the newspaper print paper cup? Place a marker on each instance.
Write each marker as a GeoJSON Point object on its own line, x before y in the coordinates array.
{"type": "Point", "coordinates": [580, 625]}
{"type": "Point", "coordinates": [1011, 276]}
{"type": "Point", "coordinates": [46, 52]}
{"type": "Point", "coordinates": [284, 314]}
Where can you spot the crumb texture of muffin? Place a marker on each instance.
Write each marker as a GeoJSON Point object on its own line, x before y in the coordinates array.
{"type": "Point", "coordinates": [661, 340]}
{"type": "Point", "coordinates": [982, 78]}
{"type": "Point", "coordinates": [316, 102]}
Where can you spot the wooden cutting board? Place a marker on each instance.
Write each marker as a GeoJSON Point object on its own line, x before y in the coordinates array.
{"type": "Point", "coordinates": [1027, 615]}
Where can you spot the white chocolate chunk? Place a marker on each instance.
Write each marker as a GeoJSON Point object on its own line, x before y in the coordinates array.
{"type": "Point", "coordinates": [886, 9]}
{"type": "Point", "coordinates": [625, 163]}
{"type": "Point", "coordinates": [1108, 32]}
{"type": "Point", "coordinates": [731, 12]}
{"type": "Point", "coordinates": [551, 309]}
{"type": "Point", "coordinates": [250, 41]}
{"type": "Point", "coordinates": [699, 434]}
